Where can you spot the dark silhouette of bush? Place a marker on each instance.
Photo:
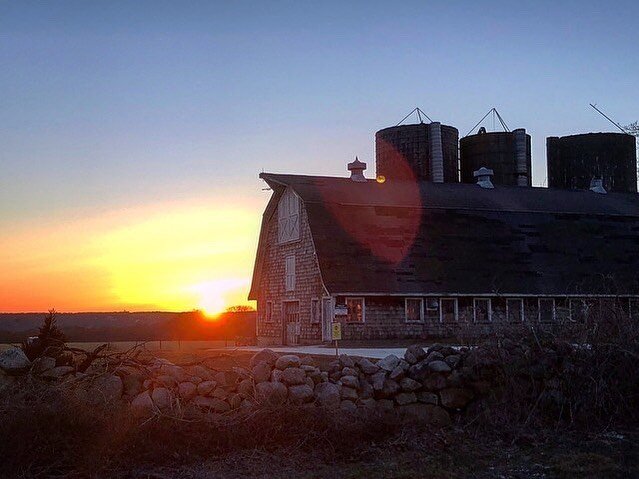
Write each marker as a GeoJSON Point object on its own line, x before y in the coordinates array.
{"type": "Point", "coordinates": [50, 341]}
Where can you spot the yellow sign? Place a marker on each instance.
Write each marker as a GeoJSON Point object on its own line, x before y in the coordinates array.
{"type": "Point", "coordinates": [337, 331]}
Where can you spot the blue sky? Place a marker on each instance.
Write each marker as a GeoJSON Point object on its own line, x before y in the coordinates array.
{"type": "Point", "coordinates": [109, 106]}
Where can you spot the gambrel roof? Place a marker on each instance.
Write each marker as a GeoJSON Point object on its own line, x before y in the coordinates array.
{"type": "Point", "coordinates": [402, 237]}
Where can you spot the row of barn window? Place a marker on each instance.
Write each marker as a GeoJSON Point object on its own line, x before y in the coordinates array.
{"type": "Point", "coordinates": [481, 310]}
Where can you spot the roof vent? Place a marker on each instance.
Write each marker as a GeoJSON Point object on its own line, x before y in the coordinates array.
{"type": "Point", "coordinates": [357, 170]}
{"type": "Point", "coordinates": [596, 185]}
{"type": "Point", "coordinates": [483, 176]}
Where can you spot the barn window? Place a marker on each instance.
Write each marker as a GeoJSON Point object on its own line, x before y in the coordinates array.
{"type": "Point", "coordinates": [634, 308]}
{"type": "Point", "coordinates": [289, 273]}
{"type": "Point", "coordinates": [546, 310]}
{"type": "Point", "coordinates": [515, 310]}
{"type": "Point", "coordinates": [288, 212]}
{"type": "Point", "coordinates": [578, 310]}
{"type": "Point", "coordinates": [355, 310]}
{"type": "Point", "coordinates": [449, 310]}
{"type": "Point", "coordinates": [268, 313]}
{"type": "Point", "coordinates": [315, 311]}
{"type": "Point", "coordinates": [482, 311]}
{"type": "Point", "coordinates": [432, 309]}
{"type": "Point", "coordinates": [414, 309]}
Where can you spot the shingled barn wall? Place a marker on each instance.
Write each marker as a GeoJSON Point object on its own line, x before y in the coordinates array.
{"type": "Point", "coordinates": [308, 284]}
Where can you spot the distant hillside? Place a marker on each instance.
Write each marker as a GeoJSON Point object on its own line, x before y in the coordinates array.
{"type": "Point", "coordinates": [125, 326]}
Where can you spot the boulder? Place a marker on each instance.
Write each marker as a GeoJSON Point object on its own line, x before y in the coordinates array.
{"type": "Point", "coordinates": [378, 379]}
{"type": "Point", "coordinates": [105, 389]}
{"type": "Point", "coordinates": [308, 361]}
{"type": "Point", "coordinates": [271, 392]}
{"type": "Point", "coordinates": [385, 404]}
{"type": "Point", "coordinates": [435, 347]}
{"type": "Point", "coordinates": [409, 385]}
{"type": "Point", "coordinates": [426, 413]}
{"type": "Point", "coordinates": [414, 354]}
{"type": "Point", "coordinates": [366, 390]}
{"type": "Point", "coordinates": [276, 376]}
{"type": "Point", "coordinates": [309, 369]}
{"type": "Point", "coordinates": [455, 398]}
{"type": "Point", "coordinates": [349, 393]}
{"type": "Point", "coordinates": [389, 363]}
{"type": "Point", "coordinates": [203, 372]}
{"type": "Point", "coordinates": [206, 387]}
{"type": "Point", "coordinates": [453, 360]}
{"type": "Point", "coordinates": [220, 378]}
{"type": "Point", "coordinates": [435, 382]}
{"type": "Point", "coordinates": [310, 383]}
{"type": "Point", "coordinates": [266, 355]}
{"type": "Point", "coordinates": [397, 373]}
{"type": "Point", "coordinates": [187, 390]}
{"type": "Point", "coordinates": [161, 398]}
{"type": "Point", "coordinates": [132, 384]}
{"type": "Point", "coordinates": [166, 380]}
{"type": "Point", "coordinates": [390, 388]}
{"type": "Point", "coordinates": [427, 397]}
{"type": "Point", "coordinates": [261, 372]}
{"type": "Point", "coordinates": [367, 366]}
{"type": "Point", "coordinates": [300, 394]}
{"type": "Point", "coordinates": [346, 371]}
{"type": "Point", "coordinates": [448, 350]}
{"type": "Point", "coordinates": [5, 380]}
{"type": "Point", "coordinates": [293, 376]}
{"type": "Point", "coordinates": [348, 406]}
{"type": "Point", "coordinates": [195, 380]}
{"type": "Point", "coordinates": [434, 356]}
{"type": "Point", "coordinates": [288, 361]}
{"type": "Point", "coordinates": [213, 404]}
{"type": "Point", "coordinates": [346, 361]}
{"type": "Point", "coordinates": [58, 372]}
{"type": "Point", "coordinates": [350, 381]}
{"type": "Point", "coordinates": [245, 388]}
{"type": "Point", "coordinates": [14, 361]}
{"type": "Point", "coordinates": [327, 395]}
{"type": "Point", "coordinates": [419, 371]}
{"type": "Point", "coordinates": [42, 364]}
{"type": "Point", "coordinates": [368, 403]}
{"type": "Point", "coordinates": [405, 398]}
{"type": "Point", "coordinates": [142, 404]}
{"type": "Point", "coordinates": [439, 366]}
{"type": "Point", "coordinates": [178, 373]}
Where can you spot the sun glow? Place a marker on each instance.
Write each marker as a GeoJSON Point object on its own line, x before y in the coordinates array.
{"type": "Point", "coordinates": [216, 296]}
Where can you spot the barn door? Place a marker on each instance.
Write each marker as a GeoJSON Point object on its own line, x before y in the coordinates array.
{"type": "Point", "coordinates": [327, 318]}
{"type": "Point", "coordinates": [291, 322]}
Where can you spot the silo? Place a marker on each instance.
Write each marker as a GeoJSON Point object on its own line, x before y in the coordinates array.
{"type": "Point", "coordinates": [423, 151]}
{"type": "Point", "coordinates": [573, 161]}
{"type": "Point", "coordinates": [507, 153]}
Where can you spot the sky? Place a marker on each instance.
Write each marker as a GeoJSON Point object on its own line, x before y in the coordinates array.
{"type": "Point", "coordinates": [132, 134]}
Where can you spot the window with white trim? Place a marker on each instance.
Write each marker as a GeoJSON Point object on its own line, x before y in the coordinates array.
{"type": "Point", "coordinates": [268, 313]}
{"type": "Point", "coordinates": [546, 310]}
{"type": "Point", "coordinates": [449, 310]}
{"type": "Point", "coordinates": [432, 309]}
{"type": "Point", "coordinates": [578, 310]}
{"type": "Point", "coordinates": [289, 273]}
{"type": "Point", "coordinates": [413, 310]}
{"type": "Point", "coordinates": [634, 308]}
{"type": "Point", "coordinates": [514, 310]}
{"type": "Point", "coordinates": [316, 312]}
{"type": "Point", "coordinates": [355, 310]}
{"type": "Point", "coordinates": [288, 214]}
{"type": "Point", "coordinates": [482, 310]}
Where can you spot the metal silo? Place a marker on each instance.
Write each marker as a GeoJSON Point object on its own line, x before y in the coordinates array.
{"type": "Point", "coordinates": [507, 153]}
{"type": "Point", "coordinates": [573, 161]}
{"type": "Point", "coordinates": [423, 151]}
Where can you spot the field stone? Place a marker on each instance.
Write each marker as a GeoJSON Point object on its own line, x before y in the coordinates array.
{"type": "Point", "coordinates": [187, 390]}
{"type": "Point", "coordinates": [42, 364]}
{"type": "Point", "coordinates": [261, 372]}
{"type": "Point", "coordinates": [385, 404]}
{"type": "Point", "coordinates": [308, 361]}
{"type": "Point", "coordinates": [195, 380]}
{"type": "Point", "coordinates": [390, 388]}
{"type": "Point", "coordinates": [142, 404]}
{"type": "Point", "coordinates": [419, 371]}
{"type": "Point", "coordinates": [434, 382]}
{"type": "Point", "coordinates": [434, 356]}
{"type": "Point", "coordinates": [366, 391]}
{"type": "Point", "coordinates": [409, 385]}
{"type": "Point", "coordinates": [178, 373]}
{"type": "Point", "coordinates": [58, 372]}
{"type": "Point", "coordinates": [203, 372]}
{"type": "Point", "coordinates": [14, 361]}
{"type": "Point", "coordinates": [427, 397]}
{"type": "Point", "coordinates": [348, 406]}
{"type": "Point", "coordinates": [309, 382]}
{"type": "Point", "coordinates": [161, 398]}
{"type": "Point", "coordinates": [389, 363]}
{"type": "Point", "coordinates": [378, 379]}
{"type": "Point", "coordinates": [367, 366]}
{"type": "Point", "coordinates": [439, 366]}
{"type": "Point", "coordinates": [346, 371]}
{"type": "Point", "coordinates": [414, 354]}
{"type": "Point", "coordinates": [405, 398]}
{"type": "Point", "coordinates": [350, 381]}
{"type": "Point", "coordinates": [105, 389]}
{"type": "Point", "coordinates": [349, 393]}
{"type": "Point", "coordinates": [246, 404]}
{"type": "Point", "coordinates": [266, 355]}
{"type": "Point", "coordinates": [245, 388]}
{"type": "Point", "coordinates": [234, 400]}
{"type": "Point", "coordinates": [346, 361]}
{"type": "Point", "coordinates": [307, 368]}
{"type": "Point", "coordinates": [448, 350]}
{"type": "Point", "coordinates": [368, 403]}
{"type": "Point", "coordinates": [271, 392]}
{"type": "Point", "coordinates": [397, 373]}
{"type": "Point", "coordinates": [214, 404]}
{"type": "Point", "coordinates": [219, 393]}
{"type": "Point", "coordinates": [293, 376]}
{"type": "Point", "coordinates": [288, 361]}
{"type": "Point", "coordinates": [276, 376]}
{"type": "Point", "coordinates": [166, 380]}
{"type": "Point", "coordinates": [455, 398]}
{"type": "Point", "coordinates": [453, 360]}
{"type": "Point", "coordinates": [327, 395]}
{"type": "Point", "coordinates": [300, 394]}
{"type": "Point", "coordinates": [205, 387]}
{"type": "Point", "coordinates": [220, 378]}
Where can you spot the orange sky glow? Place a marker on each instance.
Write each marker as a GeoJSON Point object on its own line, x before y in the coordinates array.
{"type": "Point", "coordinates": [174, 256]}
